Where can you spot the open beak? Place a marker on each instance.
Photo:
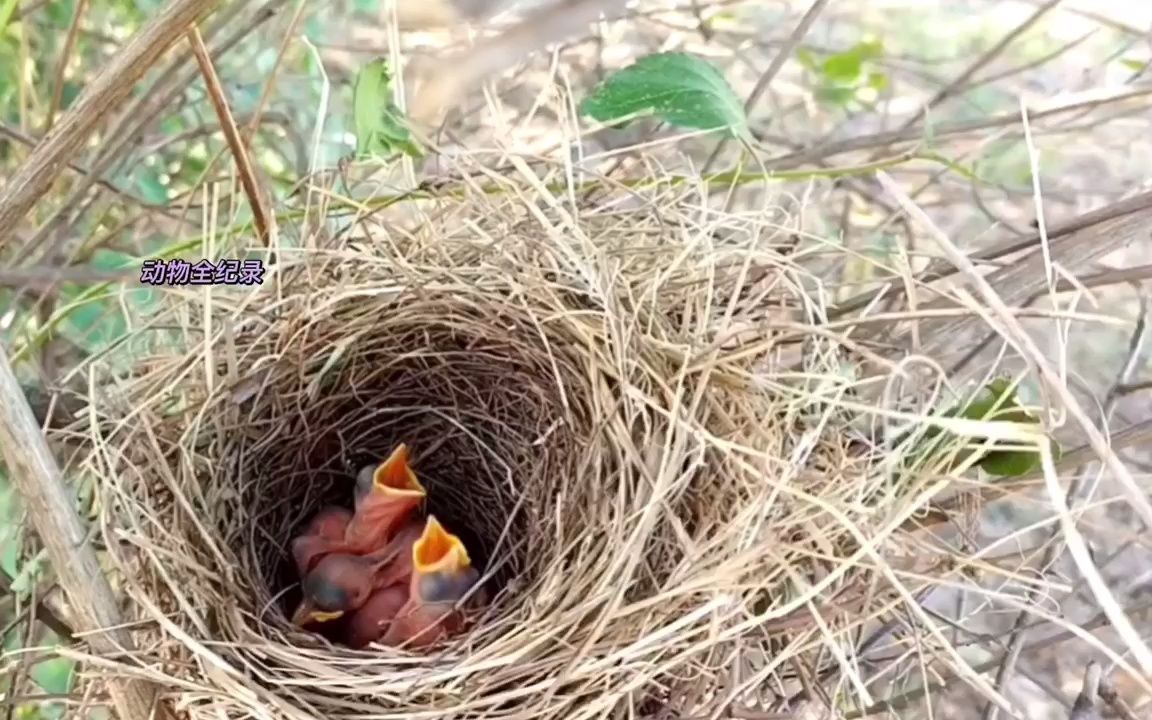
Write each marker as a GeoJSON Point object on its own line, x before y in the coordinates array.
{"type": "Point", "coordinates": [438, 550]}
{"type": "Point", "coordinates": [394, 477]}
{"type": "Point", "coordinates": [308, 614]}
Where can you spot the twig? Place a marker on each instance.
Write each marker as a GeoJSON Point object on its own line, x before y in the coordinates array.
{"type": "Point", "coordinates": [51, 508]}
{"type": "Point", "coordinates": [62, 65]}
{"type": "Point", "coordinates": [777, 63]}
{"type": "Point", "coordinates": [46, 277]}
{"type": "Point", "coordinates": [27, 140]}
{"type": "Point", "coordinates": [1040, 365]}
{"type": "Point", "coordinates": [131, 122]}
{"type": "Point", "coordinates": [1056, 548]}
{"type": "Point", "coordinates": [1129, 388]}
{"type": "Point", "coordinates": [981, 62]}
{"type": "Point", "coordinates": [231, 134]}
{"type": "Point", "coordinates": [891, 137]}
{"type": "Point", "coordinates": [19, 13]}
{"type": "Point", "coordinates": [44, 614]}
{"type": "Point", "coordinates": [1112, 699]}
{"type": "Point", "coordinates": [1085, 706]}
{"type": "Point", "coordinates": [941, 269]}
{"type": "Point", "coordinates": [904, 700]}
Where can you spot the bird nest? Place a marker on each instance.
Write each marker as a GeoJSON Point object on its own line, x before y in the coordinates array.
{"type": "Point", "coordinates": [603, 399]}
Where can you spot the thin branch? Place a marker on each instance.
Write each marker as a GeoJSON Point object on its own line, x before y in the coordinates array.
{"type": "Point", "coordinates": [774, 68]}
{"type": "Point", "coordinates": [1085, 706]}
{"type": "Point", "coordinates": [27, 140]}
{"type": "Point", "coordinates": [981, 62]}
{"type": "Point", "coordinates": [62, 65]}
{"type": "Point", "coordinates": [43, 278]}
{"type": "Point", "coordinates": [43, 613]}
{"type": "Point", "coordinates": [1112, 699]}
{"type": "Point", "coordinates": [890, 137]}
{"type": "Point", "coordinates": [232, 135]}
{"type": "Point", "coordinates": [1039, 364]}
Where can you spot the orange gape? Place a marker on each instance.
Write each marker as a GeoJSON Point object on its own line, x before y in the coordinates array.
{"type": "Point", "coordinates": [442, 574]}
{"type": "Point", "coordinates": [390, 576]}
{"type": "Point", "coordinates": [385, 498]}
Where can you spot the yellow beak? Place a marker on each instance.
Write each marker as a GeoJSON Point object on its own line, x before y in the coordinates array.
{"type": "Point", "coordinates": [438, 550]}
{"type": "Point", "coordinates": [306, 614]}
{"type": "Point", "coordinates": [394, 477]}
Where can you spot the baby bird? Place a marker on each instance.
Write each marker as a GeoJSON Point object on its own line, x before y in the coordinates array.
{"type": "Point", "coordinates": [442, 574]}
{"type": "Point", "coordinates": [373, 619]}
{"type": "Point", "coordinates": [340, 583]}
{"type": "Point", "coordinates": [323, 535]}
{"type": "Point", "coordinates": [386, 496]}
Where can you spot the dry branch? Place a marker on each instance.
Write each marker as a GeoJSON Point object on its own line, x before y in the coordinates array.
{"type": "Point", "coordinates": [1026, 276]}
{"type": "Point", "coordinates": [260, 214]}
{"type": "Point", "coordinates": [52, 510]}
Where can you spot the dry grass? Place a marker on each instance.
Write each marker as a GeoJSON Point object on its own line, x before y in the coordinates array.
{"type": "Point", "coordinates": [675, 471]}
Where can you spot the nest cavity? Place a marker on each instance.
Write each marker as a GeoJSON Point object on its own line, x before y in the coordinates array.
{"type": "Point", "coordinates": [594, 398]}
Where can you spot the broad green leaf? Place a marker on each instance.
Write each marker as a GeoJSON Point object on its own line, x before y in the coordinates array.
{"type": "Point", "coordinates": [680, 89]}
{"type": "Point", "coordinates": [381, 130]}
{"type": "Point", "coordinates": [997, 401]}
{"type": "Point", "coordinates": [997, 395]}
{"type": "Point", "coordinates": [1009, 463]}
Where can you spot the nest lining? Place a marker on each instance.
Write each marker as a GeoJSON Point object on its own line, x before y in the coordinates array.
{"type": "Point", "coordinates": [574, 406]}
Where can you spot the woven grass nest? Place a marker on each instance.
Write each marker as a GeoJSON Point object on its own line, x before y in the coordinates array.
{"type": "Point", "coordinates": [599, 395]}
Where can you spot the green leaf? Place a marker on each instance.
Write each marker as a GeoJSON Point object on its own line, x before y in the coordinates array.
{"type": "Point", "coordinates": [1133, 64]}
{"type": "Point", "coordinates": [7, 10]}
{"type": "Point", "coordinates": [995, 402]}
{"type": "Point", "coordinates": [994, 397]}
{"type": "Point", "coordinates": [807, 59]}
{"type": "Point", "coordinates": [680, 89]}
{"type": "Point", "coordinates": [843, 67]}
{"type": "Point", "coordinates": [54, 675]}
{"type": "Point", "coordinates": [381, 129]}
{"type": "Point", "coordinates": [878, 81]}
{"type": "Point", "coordinates": [1009, 463]}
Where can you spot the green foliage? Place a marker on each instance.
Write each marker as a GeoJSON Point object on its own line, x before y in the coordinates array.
{"type": "Point", "coordinates": [381, 129]}
{"type": "Point", "coordinates": [995, 402]}
{"type": "Point", "coordinates": [1134, 65]}
{"type": "Point", "coordinates": [680, 89]}
{"type": "Point", "coordinates": [96, 320]}
{"type": "Point", "coordinates": [849, 77]}
{"type": "Point", "coordinates": [7, 10]}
